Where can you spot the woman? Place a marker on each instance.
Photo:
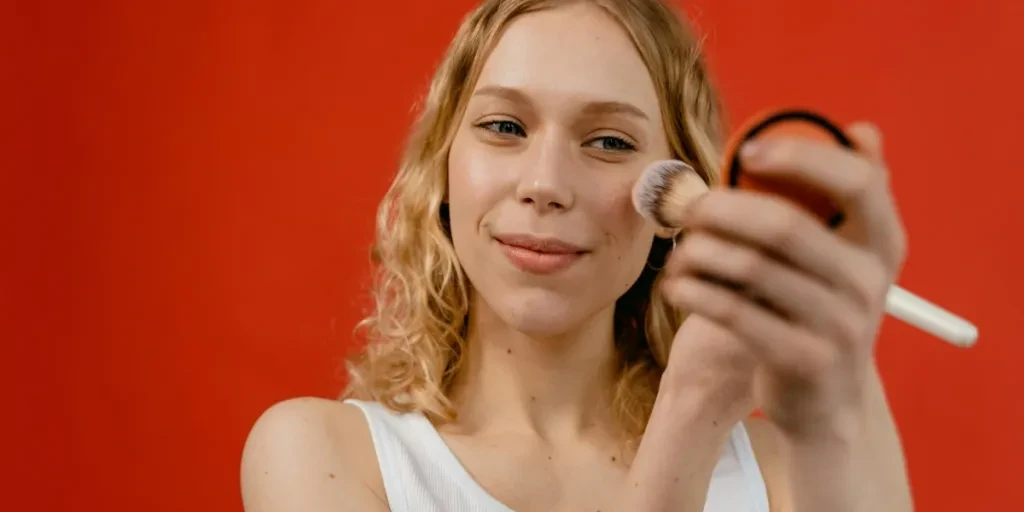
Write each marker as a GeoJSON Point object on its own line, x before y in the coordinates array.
{"type": "Point", "coordinates": [519, 353]}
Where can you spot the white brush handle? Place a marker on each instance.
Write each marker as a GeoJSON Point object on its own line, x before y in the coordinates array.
{"type": "Point", "coordinates": [930, 318]}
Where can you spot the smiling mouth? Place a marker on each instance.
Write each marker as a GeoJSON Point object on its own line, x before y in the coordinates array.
{"type": "Point", "coordinates": [540, 256]}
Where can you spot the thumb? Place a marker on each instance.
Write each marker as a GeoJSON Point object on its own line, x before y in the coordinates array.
{"type": "Point", "coordinates": [868, 140]}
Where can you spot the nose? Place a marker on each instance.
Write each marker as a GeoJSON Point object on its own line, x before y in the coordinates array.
{"type": "Point", "coordinates": [545, 182]}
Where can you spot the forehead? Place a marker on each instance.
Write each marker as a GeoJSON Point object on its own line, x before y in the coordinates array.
{"type": "Point", "coordinates": [573, 52]}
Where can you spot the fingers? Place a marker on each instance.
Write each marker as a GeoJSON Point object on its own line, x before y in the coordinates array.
{"type": "Point", "coordinates": [793, 295]}
{"type": "Point", "coordinates": [868, 141]}
{"type": "Point", "coordinates": [805, 300]}
{"type": "Point", "coordinates": [856, 182]}
{"type": "Point", "coordinates": [781, 344]}
{"type": "Point", "coordinates": [773, 226]}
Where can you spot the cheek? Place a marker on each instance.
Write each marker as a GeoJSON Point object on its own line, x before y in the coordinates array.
{"type": "Point", "coordinates": [465, 178]}
{"type": "Point", "coordinates": [475, 184]}
{"type": "Point", "coordinates": [624, 229]}
{"type": "Point", "coordinates": [627, 236]}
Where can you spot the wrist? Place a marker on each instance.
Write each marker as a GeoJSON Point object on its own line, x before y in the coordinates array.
{"type": "Point", "coordinates": [836, 429]}
{"type": "Point", "coordinates": [679, 450]}
{"type": "Point", "coordinates": [694, 402]}
{"type": "Point", "coordinates": [829, 473]}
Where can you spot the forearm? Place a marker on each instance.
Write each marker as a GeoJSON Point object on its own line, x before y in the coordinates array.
{"type": "Point", "coordinates": [673, 465]}
{"type": "Point", "coordinates": [888, 482]}
{"type": "Point", "coordinates": [858, 466]}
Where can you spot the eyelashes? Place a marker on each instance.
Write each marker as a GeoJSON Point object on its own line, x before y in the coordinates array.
{"type": "Point", "coordinates": [503, 128]}
{"type": "Point", "coordinates": [612, 143]}
{"type": "Point", "coordinates": [507, 128]}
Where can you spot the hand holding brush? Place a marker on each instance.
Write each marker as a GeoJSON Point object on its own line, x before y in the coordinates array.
{"type": "Point", "coordinates": [844, 232]}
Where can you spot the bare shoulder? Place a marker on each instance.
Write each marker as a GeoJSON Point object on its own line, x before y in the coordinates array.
{"type": "Point", "coordinates": [767, 442]}
{"type": "Point", "coordinates": [311, 454]}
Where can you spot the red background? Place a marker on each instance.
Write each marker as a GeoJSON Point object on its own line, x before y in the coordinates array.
{"type": "Point", "coordinates": [189, 190]}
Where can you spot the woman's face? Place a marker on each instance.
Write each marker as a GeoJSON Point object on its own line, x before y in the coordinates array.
{"type": "Point", "coordinates": [561, 123]}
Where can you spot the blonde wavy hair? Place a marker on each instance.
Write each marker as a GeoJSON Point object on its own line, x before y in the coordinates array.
{"type": "Point", "coordinates": [415, 337]}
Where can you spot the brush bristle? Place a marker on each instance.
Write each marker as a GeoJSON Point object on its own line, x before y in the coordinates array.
{"type": "Point", "coordinates": [664, 190]}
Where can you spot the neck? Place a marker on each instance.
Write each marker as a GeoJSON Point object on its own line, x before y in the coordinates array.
{"type": "Point", "coordinates": [554, 386]}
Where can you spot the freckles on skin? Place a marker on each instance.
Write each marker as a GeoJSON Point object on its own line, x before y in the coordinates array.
{"type": "Point", "coordinates": [622, 225]}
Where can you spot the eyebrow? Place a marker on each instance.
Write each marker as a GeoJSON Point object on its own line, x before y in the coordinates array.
{"type": "Point", "coordinates": [593, 108]}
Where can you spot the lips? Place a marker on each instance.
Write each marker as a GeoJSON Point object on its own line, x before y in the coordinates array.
{"type": "Point", "coordinates": [539, 244]}
{"type": "Point", "coordinates": [537, 255]}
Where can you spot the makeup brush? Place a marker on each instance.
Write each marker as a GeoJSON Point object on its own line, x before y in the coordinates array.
{"type": "Point", "coordinates": [667, 187]}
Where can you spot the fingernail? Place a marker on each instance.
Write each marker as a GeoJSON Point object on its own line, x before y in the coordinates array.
{"type": "Point", "coordinates": [752, 150]}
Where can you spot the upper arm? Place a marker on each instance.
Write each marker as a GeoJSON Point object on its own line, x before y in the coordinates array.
{"type": "Point", "coordinates": [312, 455]}
{"type": "Point", "coordinates": [768, 449]}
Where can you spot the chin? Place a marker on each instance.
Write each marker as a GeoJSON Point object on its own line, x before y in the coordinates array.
{"type": "Point", "coordinates": [542, 312]}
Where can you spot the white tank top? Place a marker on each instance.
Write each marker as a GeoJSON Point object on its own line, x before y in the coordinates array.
{"type": "Point", "coordinates": [421, 474]}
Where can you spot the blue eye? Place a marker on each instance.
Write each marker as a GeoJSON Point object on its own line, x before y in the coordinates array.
{"type": "Point", "coordinates": [504, 128]}
{"type": "Point", "coordinates": [611, 144]}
